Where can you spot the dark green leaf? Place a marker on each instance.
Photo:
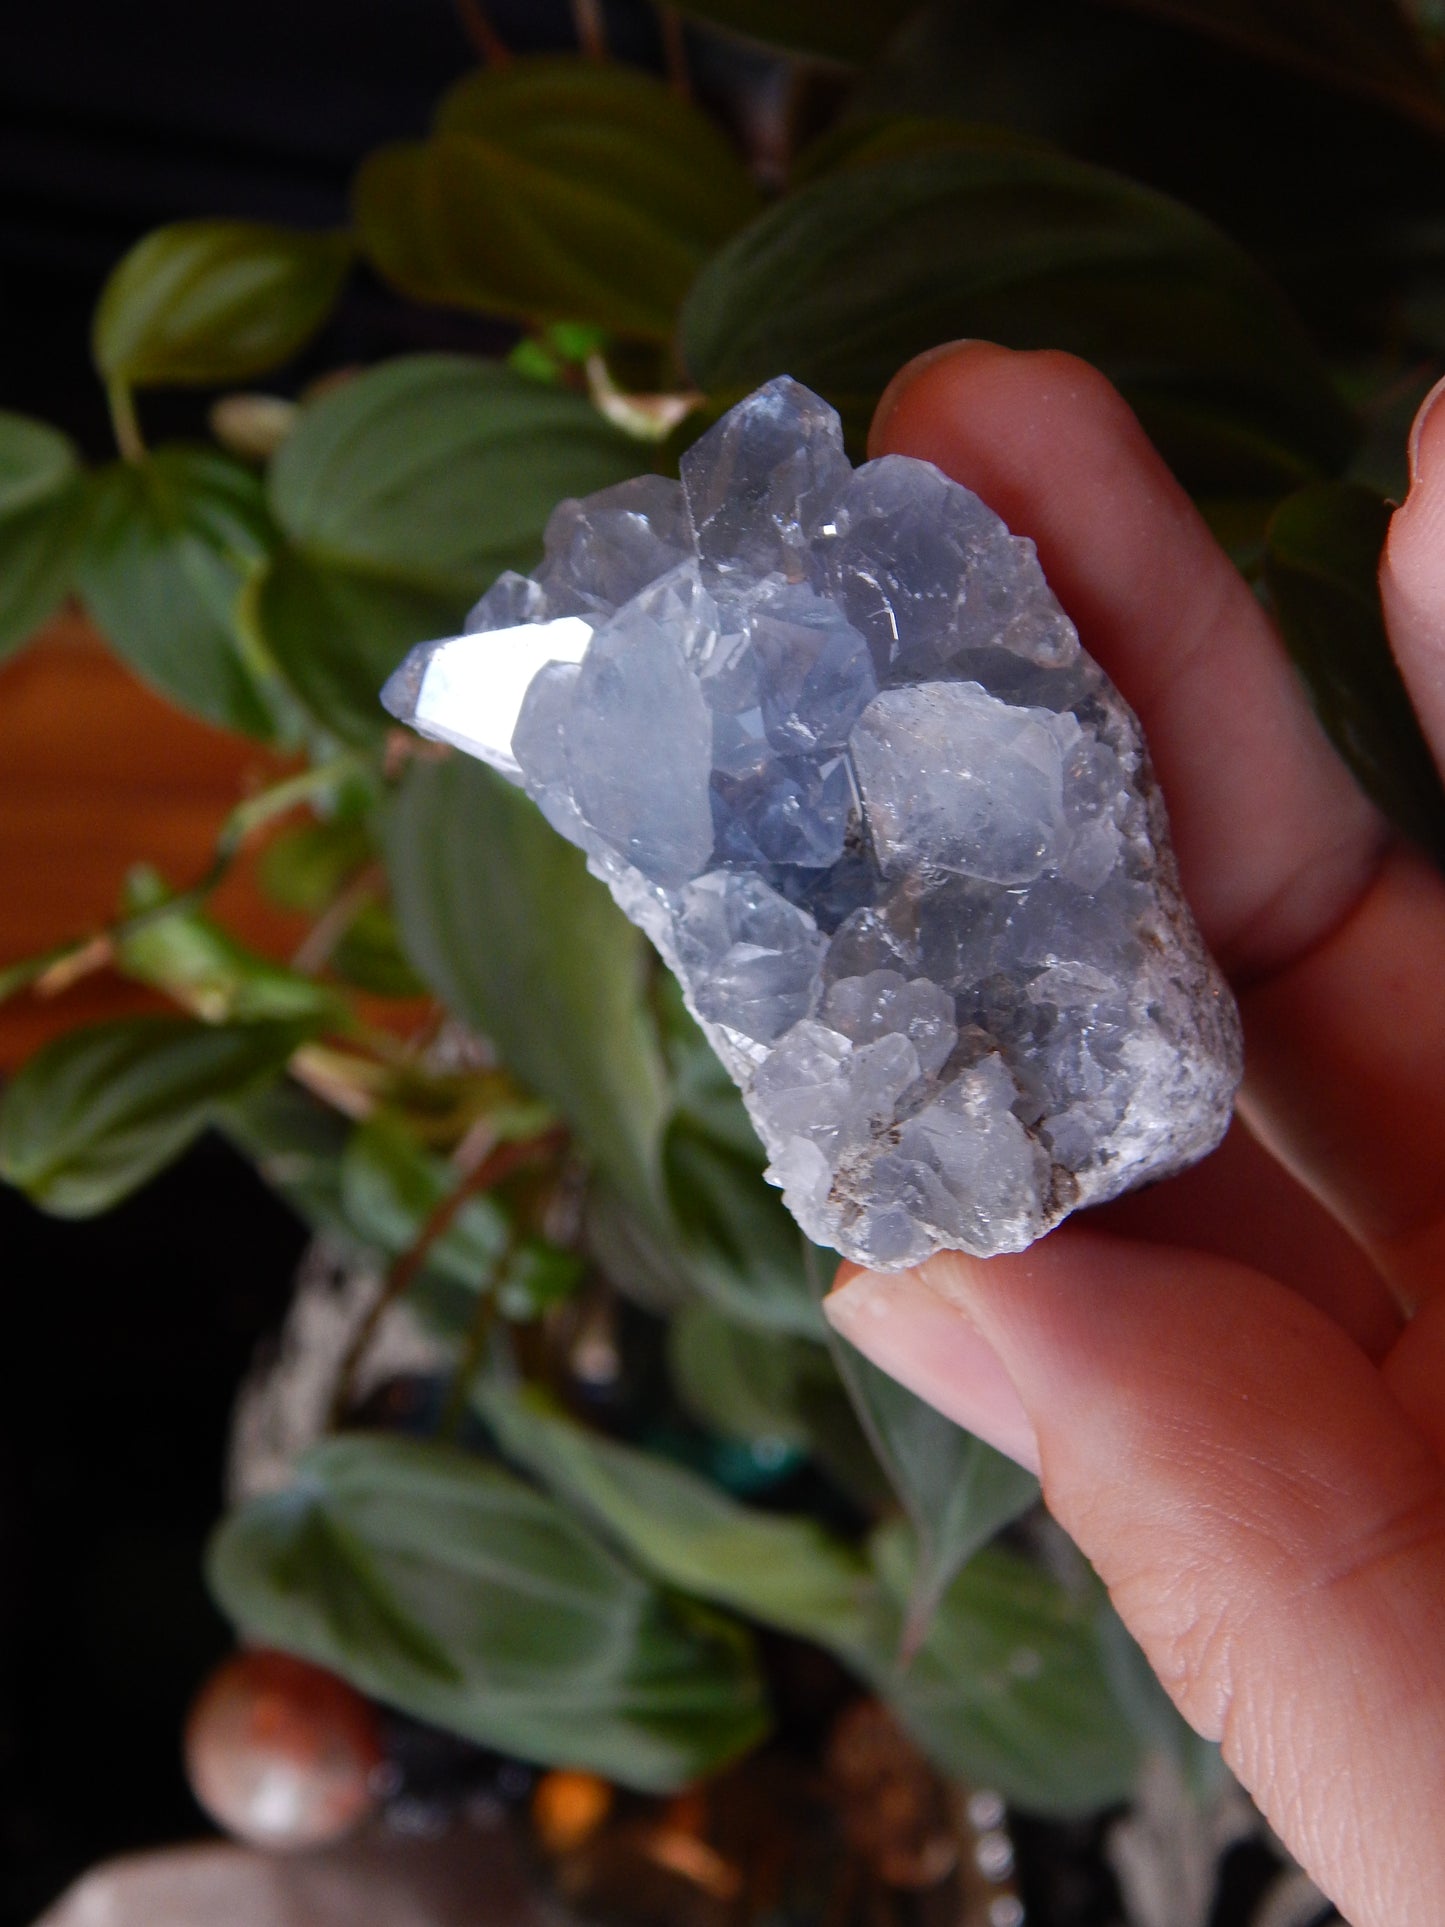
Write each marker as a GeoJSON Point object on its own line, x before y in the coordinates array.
{"type": "Point", "coordinates": [169, 545]}
{"type": "Point", "coordinates": [1322, 560]}
{"type": "Point", "coordinates": [743, 1383]}
{"type": "Point", "coordinates": [41, 519]}
{"type": "Point", "coordinates": [1011, 1688]}
{"type": "Point", "coordinates": [308, 865]}
{"type": "Point", "coordinates": [368, 955]}
{"type": "Point", "coordinates": [556, 189]}
{"type": "Point", "coordinates": [842, 282]}
{"type": "Point", "coordinates": [100, 1110]}
{"type": "Point", "coordinates": [788, 1572]}
{"type": "Point", "coordinates": [769, 1389]}
{"type": "Point", "coordinates": [1367, 47]}
{"type": "Point", "coordinates": [740, 1244]}
{"type": "Point", "coordinates": [337, 634]}
{"type": "Point", "coordinates": [500, 917]}
{"type": "Point", "coordinates": [848, 31]}
{"type": "Point", "coordinates": [213, 301]}
{"type": "Point", "coordinates": [446, 1587]}
{"type": "Point", "coordinates": [193, 959]}
{"type": "Point", "coordinates": [957, 1491]}
{"type": "Point", "coordinates": [438, 472]}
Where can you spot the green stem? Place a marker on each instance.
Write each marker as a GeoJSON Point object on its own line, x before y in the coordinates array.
{"type": "Point", "coordinates": [85, 953]}
{"type": "Point", "coordinates": [125, 422]}
{"type": "Point", "coordinates": [475, 1348]}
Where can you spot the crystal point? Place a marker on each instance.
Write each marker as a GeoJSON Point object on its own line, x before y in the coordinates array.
{"type": "Point", "coordinates": [829, 738]}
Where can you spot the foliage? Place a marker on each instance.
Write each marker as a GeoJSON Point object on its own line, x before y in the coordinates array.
{"type": "Point", "coordinates": [473, 1070]}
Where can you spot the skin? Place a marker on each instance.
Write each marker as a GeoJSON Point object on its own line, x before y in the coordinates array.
{"type": "Point", "coordinates": [1233, 1384]}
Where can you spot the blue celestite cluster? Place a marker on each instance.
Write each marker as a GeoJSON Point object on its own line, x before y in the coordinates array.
{"type": "Point", "coordinates": [830, 740]}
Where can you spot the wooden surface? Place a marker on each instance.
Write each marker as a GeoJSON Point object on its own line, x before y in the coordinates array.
{"type": "Point", "coordinates": [98, 773]}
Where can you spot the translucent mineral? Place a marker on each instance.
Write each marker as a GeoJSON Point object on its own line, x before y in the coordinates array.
{"type": "Point", "coordinates": [830, 740]}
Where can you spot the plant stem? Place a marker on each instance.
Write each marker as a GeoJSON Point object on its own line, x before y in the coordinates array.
{"type": "Point", "coordinates": [674, 50]}
{"type": "Point", "coordinates": [56, 969]}
{"type": "Point", "coordinates": [475, 1348]}
{"type": "Point", "coordinates": [483, 35]}
{"type": "Point", "coordinates": [315, 949]}
{"type": "Point", "coordinates": [591, 28]}
{"type": "Point", "coordinates": [125, 422]}
{"type": "Point", "coordinates": [485, 1175]}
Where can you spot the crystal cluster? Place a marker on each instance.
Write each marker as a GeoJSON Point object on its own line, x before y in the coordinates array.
{"type": "Point", "coordinates": [830, 740]}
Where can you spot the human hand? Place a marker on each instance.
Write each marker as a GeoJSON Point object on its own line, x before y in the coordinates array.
{"type": "Point", "coordinates": [1236, 1398]}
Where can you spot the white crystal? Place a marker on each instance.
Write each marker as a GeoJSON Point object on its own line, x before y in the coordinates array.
{"type": "Point", "coordinates": [829, 739]}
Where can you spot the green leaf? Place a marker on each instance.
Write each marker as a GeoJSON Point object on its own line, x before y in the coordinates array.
{"type": "Point", "coordinates": [1365, 47]}
{"type": "Point", "coordinates": [743, 1383]}
{"type": "Point", "coordinates": [556, 189]}
{"type": "Point", "coordinates": [446, 1587]}
{"type": "Point", "coordinates": [95, 1114]}
{"type": "Point", "coordinates": [1012, 1688]}
{"type": "Point", "coordinates": [741, 1246]}
{"type": "Point", "coordinates": [438, 472]}
{"type": "Point", "coordinates": [337, 634]}
{"type": "Point", "coordinates": [848, 31]}
{"type": "Point", "coordinates": [296, 1144]}
{"type": "Point", "coordinates": [957, 1491]}
{"type": "Point", "coordinates": [500, 917]}
{"type": "Point", "coordinates": [201, 302]}
{"type": "Point", "coordinates": [169, 545]}
{"type": "Point", "coordinates": [789, 1572]}
{"type": "Point", "coordinates": [769, 1389]}
{"type": "Point", "coordinates": [41, 519]}
{"type": "Point", "coordinates": [1322, 559]}
{"type": "Point", "coordinates": [369, 956]}
{"type": "Point", "coordinates": [842, 282]}
{"type": "Point", "coordinates": [193, 959]}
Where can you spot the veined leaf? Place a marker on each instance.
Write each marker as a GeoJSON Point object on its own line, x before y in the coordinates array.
{"type": "Point", "coordinates": [555, 189]}
{"type": "Point", "coordinates": [788, 1572]}
{"type": "Point", "coordinates": [844, 281]}
{"type": "Point", "coordinates": [1012, 1687]}
{"type": "Point", "coordinates": [95, 1114]}
{"type": "Point", "coordinates": [438, 472]}
{"type": "Point", "coordinates": [337, 634]}
{"type": "Point", "coordinates": [41, 520]}
{"type": "Point", "coordinates": [212, 301]}
{"type": "Point", "coordinates": [957, 1491]}
{"type": "Point", "coordinates": [169, 545]}
{"type": "Point", "coordinates": [444, 1586]}
{"type": "Point", "coordinates": [500, 917]}
{"type": "Point", "coordinates": [1321, 567]}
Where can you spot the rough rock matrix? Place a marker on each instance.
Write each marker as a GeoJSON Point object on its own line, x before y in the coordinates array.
{"type": "Point", "coordinates": [830, 740]}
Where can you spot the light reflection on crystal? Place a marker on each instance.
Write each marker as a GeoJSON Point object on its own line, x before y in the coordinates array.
{"type": "Point", "coordinates": [830, 740]}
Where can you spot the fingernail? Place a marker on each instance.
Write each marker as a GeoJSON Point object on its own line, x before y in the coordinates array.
{"type": "Point", "coordinates": [907, 375]}
{"type": "Point", "coordinates": [928, 1343]}
{"type": "Point", "coordinates": [1427, 436]}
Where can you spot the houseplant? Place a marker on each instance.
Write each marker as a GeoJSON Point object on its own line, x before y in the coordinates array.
{"type": "Point", "coordinates": [593, 1158]}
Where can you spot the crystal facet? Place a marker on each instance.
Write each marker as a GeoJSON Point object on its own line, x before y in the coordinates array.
{"type": "Point", "coordinates": [830, 740]}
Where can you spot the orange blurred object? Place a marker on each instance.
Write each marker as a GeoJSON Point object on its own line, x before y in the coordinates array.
{"type": "Point", "coordinates": [568, 1808]}
{"type": "Point", "coordinates": [281, 1753]}
{"type": "Point", "coordinates": [98, 773]}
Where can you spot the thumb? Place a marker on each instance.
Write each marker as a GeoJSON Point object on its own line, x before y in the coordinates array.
{"type": "Point", "coordinates": [1265, 1512]}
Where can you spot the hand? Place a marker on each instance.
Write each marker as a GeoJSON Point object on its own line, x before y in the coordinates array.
{"type": "Point", "coordinates": [1235, 1394]}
